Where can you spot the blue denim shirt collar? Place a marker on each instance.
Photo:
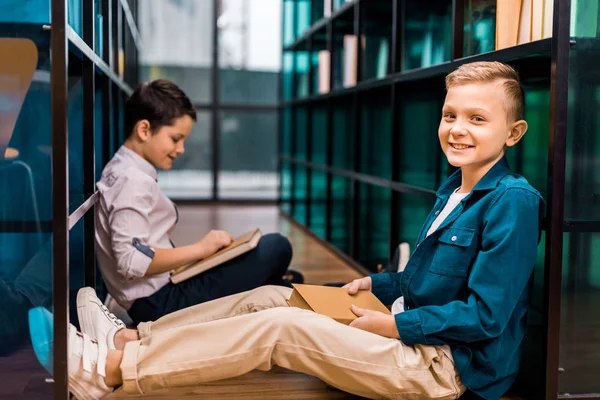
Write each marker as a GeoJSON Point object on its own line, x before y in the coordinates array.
{"type": "Point", "coordinates": [488, 182]}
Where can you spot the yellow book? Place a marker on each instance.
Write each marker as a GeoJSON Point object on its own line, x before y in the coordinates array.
{"type": "Point", "coordinates": [507, 23]}
{"type": "Point", "coordinates": [241, 245]}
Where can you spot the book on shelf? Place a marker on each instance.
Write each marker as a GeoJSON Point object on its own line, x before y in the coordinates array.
{"type": "Point", "coordinates": [240, 245]}
{"type": "Point", "coordinates": [324, 68]}
{"type": "Point", "coordinates": [350, 60]}
{"type": "Point", "coordinates": [334, 302]}
{"type": "Point", "coordinates": [522, 21]}
{"type": "Point", "coordinates": [327, 8]}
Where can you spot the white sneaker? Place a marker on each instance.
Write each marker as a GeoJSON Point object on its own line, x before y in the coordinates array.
{"type": "Point", "coordinates": [95, 319]}
{"type": "Point", "coordinates": [87, 367]}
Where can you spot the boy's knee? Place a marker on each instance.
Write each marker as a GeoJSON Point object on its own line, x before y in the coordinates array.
{"type": "Point", "coordinates": [279, 247]}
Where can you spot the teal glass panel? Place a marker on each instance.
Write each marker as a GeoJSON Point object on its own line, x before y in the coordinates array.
{"type": "Point", "coordinates": [584, 18]}
{"type": "Point", "coordinates": [530, 156]}
{"type": "Point", "coordinates": [288, 75]}
{"type": "Point", "coordinates": [376, 133]}
{"type": "Point", "coordinates": [74, 15]}
{"type": "Point", "coordinates": [303, 16]}
{"type": "Point", "coordinates": [374, 226]}
{"type": "Point", "coordinates": [286, 131]}
{"type": "Point", "coordinates": [427, 33]}
{"type": "Point", "coordinates": [376, 43]}
{"type": "Point", "coordinates": [343, 133]}
{"type": "Point", "coordinates": [319, 133]}
{"type": "Point", "coordinates": [301, 73]}
{"type": "Point", "coordinates": [480, 27]}
{"type": "Point", "coordinates": [248, 155]}
{"type": "Point", "coordinates": [288, 22]}
{"type": "Point", "coordinates": [421, 159]}
{"type": "Point", "coordinates": [341, 212]}
{"type": "Point", "coordinates": [286, 187]}
{"type": "Point", "coordinates": [318, 203]}
{"type": "Point", "coordinates": [413, 211]}
{"type": "Point", "coordinates": [300, 194]}
{"type": "Point", "coordinates": [301, 133]}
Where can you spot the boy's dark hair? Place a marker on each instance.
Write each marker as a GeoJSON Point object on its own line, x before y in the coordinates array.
{"type": "Point", "coordinates": [160, 102]}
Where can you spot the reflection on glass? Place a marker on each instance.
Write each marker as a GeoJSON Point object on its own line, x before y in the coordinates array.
{"type": "Point", "coordinates": [341, 212]}
{"type": "Point", "coordinates": [480, 27]}
{"type": "Point", "coordinates": [318, 203]}
{"type": "Point", "coordinates": [580, 314]}
{"type": "Point", "coordinates": [421, 160]}
{"type": "Point", "coordinates": [249, 50]}
{"type": "Point", "coordinates": [26, 187]}
{"type": "Point", "coordinates": [343, 134]}
{"type": "Point", "coordinates": [185, 59]}
{"type": "Point", "coordinates": [319, 134]}
{"type": "Point", "coordinates": [427, 33]}
{"type": "Point", "coordinates": [376, 137]}
{"type": "Point", "coordinates": [300, 200]}
{"type": "Point", "coordinates": [191, 176]}
{"type": "Point", "coordinates": [286, 187]}
{"type": "Point", "coordinates": [248, 155]}
{"type": "Point", "coordinates": [373, 234]}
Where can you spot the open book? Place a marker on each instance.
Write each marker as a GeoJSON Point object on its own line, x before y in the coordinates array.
{"type": "Point", "coordinates": [334, 302]}
{"type": "Point", "coordinates": [241, 245]}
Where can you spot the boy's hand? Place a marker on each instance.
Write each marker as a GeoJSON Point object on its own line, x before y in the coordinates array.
{"type": "Point", "coordinates": [375, 322]}
{"type": "Point", "coordinates": [212, 242]}
{"type": "Point", "coordinates": [359, 284]}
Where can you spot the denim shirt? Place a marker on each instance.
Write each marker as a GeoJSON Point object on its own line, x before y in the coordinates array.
{"type": "Point", "coordinates": [468, 284]}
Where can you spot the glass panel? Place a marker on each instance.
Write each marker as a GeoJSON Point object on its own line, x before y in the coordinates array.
{"type": "Point", "coordinates": [319, 133]}
{"type": "Point", "coordinates": [301, 132]}
{"type": "Point", "coordinates": [301, 73]}
{"type": "Point", "coordinates": [341, 212]}
{"type": "Point", "coordinates": [373, 235]}
{"type": "Point", "coordinates": [288, 22]}
{"type": "Point", "coordinates": [286, 187]}
{"type": "Point", "coordinates": [288, 75]}
{"type": "Point", "coordinates": [186, 59]}
{"type": "Point", "coordinates": [300, 200]}
{"type": "Point", "coordinates": [580, 314]}
{"type": "Point", "coordinates": [422, 162]}
{"type": "Point", "coordinates": [343, 133]}
{"type": "Point", "coordinates": [413, 212]}
{"type": "Point", "coordinates": [191, 176]}
{"type": "Point", "coordinates": [26, 187]}
{"type": "Point", "coordinates": [580, 321]}
{"type": "Point", "coordinates": [427, 36]}
{"type": "Point", "coordinates": [249, 51]}
{"type": "Point", "coordinates": [286, 133]}
{"type": "Point", "coordinates": [530, 157]}
{"type": "Point", "coordinates": [480, 27]}
{"type": "Point", "coordinates": [318, 203]}
{"type": "Point", "coordinates": [376, 134]}
{"type": "Point", "coordinates": [302, 16]}
{"type": "Point", "coordinates": [248, 155]}
{"type": "Point", "coordinates": [376, 42]}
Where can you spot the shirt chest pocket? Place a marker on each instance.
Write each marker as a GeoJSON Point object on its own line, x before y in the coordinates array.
{"type": "Point", "coordinates": [454, 252]}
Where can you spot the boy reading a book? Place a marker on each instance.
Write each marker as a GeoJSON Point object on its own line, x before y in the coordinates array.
{"type": "Point", "coordinates": [134, 218]}
{"type": "Point", "coordinates": [466, 289]}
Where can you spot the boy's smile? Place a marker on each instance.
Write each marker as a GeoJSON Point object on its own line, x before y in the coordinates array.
{"type": "Point", "coordinates": [476, 126]}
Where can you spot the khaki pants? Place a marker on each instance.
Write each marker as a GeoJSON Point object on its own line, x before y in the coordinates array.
{"type": "Point", "coordinates": [234, 335]}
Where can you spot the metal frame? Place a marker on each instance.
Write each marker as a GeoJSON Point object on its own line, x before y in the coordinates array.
{"type": "Point", "coordinates": [539, 54]}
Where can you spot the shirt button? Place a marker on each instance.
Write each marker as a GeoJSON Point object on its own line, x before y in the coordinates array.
{"type": "Point", "coordinates": [437, 213]}
{"type": "Point", "coordinates": [454, 238]}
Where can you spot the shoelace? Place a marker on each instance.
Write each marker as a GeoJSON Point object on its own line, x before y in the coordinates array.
{"type": "Point", "coordinates": [86, 353]}
{"type": "Point", "coordinates": [112, 316]}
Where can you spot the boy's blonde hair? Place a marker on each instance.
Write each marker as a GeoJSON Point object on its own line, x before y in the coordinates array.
{"type": "Point", "coordinates": [489, 71]}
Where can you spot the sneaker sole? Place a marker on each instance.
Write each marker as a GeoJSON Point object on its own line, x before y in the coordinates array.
{"type": "Point", "coordinates": [85, 321]}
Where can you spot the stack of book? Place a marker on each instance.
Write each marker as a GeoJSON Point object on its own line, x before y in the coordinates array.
{"type": "Point", "coordinates": [522, 21]}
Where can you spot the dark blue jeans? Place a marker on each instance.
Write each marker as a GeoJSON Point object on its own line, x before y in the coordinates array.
{"type": "Point", "coordinates": [265, 265]}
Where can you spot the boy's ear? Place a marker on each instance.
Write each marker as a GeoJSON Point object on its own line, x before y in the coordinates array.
{"type": "Point", "coordinates": [516, 133]}
{"type": "Point", "coordinates": [142, 130]}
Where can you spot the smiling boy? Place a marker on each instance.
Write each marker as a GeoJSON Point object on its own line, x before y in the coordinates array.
{"type": "Point", "coordinates": [466, 289]}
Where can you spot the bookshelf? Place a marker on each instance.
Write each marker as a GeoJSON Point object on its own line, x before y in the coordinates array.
{"type": "Point", "coordinates": [360, 159]}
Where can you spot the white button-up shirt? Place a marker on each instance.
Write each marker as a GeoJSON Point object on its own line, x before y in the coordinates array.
{"type": "Point", "coordinates": [132, 216]}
